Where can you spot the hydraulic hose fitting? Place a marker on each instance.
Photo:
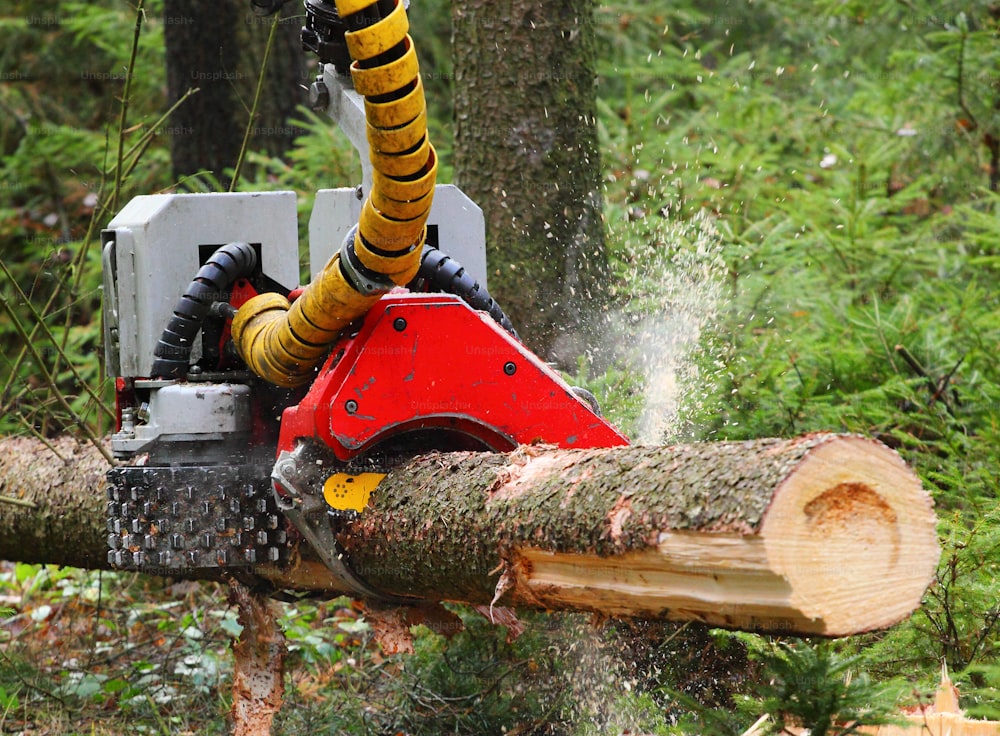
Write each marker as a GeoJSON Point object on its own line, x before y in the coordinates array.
{"type": "Point", "coordinates": [284, 343]}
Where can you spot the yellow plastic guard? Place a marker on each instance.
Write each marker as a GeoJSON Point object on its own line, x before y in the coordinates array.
{"type": "Point", "coordinates": [350, 492]}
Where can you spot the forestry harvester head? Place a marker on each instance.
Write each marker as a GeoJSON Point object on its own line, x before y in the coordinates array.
{"type": "Point", "coordinates": [255, 418]}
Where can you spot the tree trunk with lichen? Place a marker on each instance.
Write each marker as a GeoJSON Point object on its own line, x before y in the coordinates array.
{"type": "Point", "coordinates": [526, 151]}
{"type": "Point", "coordinates": [823, 534]}
{"type": "Point", "coordinates": [218, 48]}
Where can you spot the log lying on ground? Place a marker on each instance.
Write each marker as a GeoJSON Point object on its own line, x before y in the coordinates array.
{"type": "Point", "coordinates": [52, 502]}
{"type": "Point", "coordinates": [823, 534]}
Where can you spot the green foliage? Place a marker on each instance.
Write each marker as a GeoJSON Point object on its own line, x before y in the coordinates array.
{"type": "Point", "coordinates": [820, 686]}
{"type": "Point", "coordinates": [812, 686]}
{"type": "Point", "coordinates": [804, 238]}
{"type": "Point", "coordinates": [860, 285]}
{"type": "Point", "coordinates": [59, 182]}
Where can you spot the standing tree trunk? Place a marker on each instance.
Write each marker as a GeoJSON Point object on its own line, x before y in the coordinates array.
{"type": "Point", "coordinates": [218, 48]}
{"type": "Point", "coordinates": [526, 151]}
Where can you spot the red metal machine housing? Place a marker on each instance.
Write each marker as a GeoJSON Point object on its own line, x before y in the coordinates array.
{"type": "Point", "coordinates": [430, 362]}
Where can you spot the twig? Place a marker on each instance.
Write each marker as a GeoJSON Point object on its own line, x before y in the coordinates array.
{"type": "Point", "coordinates": [936, 387]}
{"type": "Point", "coordinates": [758, 727]}
{"type": "Point", "coordinates": [40, 323]}
{"type": "Point", "coordinates": [41, 438]}
{"type": "Point", "coordinates": [126, 93]}
{"type": "Point", "coordinates": [18, 502]}
{"type": "Point", "coordinates": [160, 723]}
{"type": "Point", "coordinates": [961, 82]}
{"type": "Point", "coordinates": [914, 364]}
{"type": "Point", "coordinates": [134, 154]}
{"type": "Point", "coordinates": [50, 379]}
{"type": "Point", "coordinates": [12, 667]}
{"type": "Point", "coordinates": [253, 108]}
{"type": "Point", "coordinates": [943, 383]}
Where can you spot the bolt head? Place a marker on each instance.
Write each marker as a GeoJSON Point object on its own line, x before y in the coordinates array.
{"type": "Point", "coordinates": [319, 96]}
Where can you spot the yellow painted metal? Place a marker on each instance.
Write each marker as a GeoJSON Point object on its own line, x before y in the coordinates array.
{"type": "Point", "coordinates": [346, 492]}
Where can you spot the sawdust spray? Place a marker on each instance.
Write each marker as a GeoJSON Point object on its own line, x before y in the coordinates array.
{"type": "Point", "coordinates": [675, 298]}
{"type": "Point", "coordinates": [675, 279]}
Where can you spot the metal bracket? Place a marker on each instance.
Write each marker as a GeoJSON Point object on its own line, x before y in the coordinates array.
{"type": "Point", "coordinates": [298, 479]}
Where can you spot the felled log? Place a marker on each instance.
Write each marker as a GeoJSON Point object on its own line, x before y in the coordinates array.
{"type": "Point", "coordinates": [52, 502]}
{"type": "Point", "coordinates": [823, 534]}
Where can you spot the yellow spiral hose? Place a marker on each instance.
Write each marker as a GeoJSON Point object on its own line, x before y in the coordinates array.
{"type": "Point", "coordinates": [283, 343]}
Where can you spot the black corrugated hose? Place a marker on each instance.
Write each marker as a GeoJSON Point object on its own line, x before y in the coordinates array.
{"type": "Point", "coordinates": [227, 264]}
{"type": "Point", "coordinates": [444, 273]}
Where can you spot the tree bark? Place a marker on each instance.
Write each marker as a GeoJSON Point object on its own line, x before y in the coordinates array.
{"type": "Point", "coordinates": [526, 151]}
{"type": "Point", "coordinates": [218, 48]}
{"type": "Point", "coordinates": [259, 658]}
{"type": "Point", "coordinates": [824, 534]}
{"type": "Point", "coordinates": [52, 502]}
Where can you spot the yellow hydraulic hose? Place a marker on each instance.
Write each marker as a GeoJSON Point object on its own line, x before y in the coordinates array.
{"type": "Point", "coordinates": [283, 343]}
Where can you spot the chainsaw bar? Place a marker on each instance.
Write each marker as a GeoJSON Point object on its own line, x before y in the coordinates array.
{"type": "Point", "coordinates": [162, 520]}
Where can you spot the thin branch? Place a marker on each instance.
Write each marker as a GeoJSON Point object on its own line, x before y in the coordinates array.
{"type": "Point", "coordinates": [23, 352]}
{"type": "Point", "coordinates": [50, 379]}
{"type": "Point", "coordinates": [961, 82]}
{"type": "Point", "coordinates": [936, 387]}
{"type": "Point", "coordinates": [256, 101]}
{"type": "Point", "coordinates": [942, 385]}
{"type": "Point", "coordinates": [60, 350]}
{"type": "Point", "coordinates": [18, 502]}
{"type": "Point", "coordinates": [134, 154]}
{"type": "Point", "coordinates": [41, 438]}
{"type": "Point", "coordinates": [123, 115]}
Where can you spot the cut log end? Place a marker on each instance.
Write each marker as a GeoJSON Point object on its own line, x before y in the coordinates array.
{"type": "Point", "coordinates": [847, 545]}
{"type": "Point", "coordinates": [854, 534]}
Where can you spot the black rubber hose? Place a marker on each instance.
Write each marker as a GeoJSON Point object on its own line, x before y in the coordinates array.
{"type": "Point", "coordinates": [227, 264]}
{"type": "Point", "coordinates": [444, 273]}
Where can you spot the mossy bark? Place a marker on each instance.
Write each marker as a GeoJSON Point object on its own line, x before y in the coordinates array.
{"type": "Point", "coordinates": [526, 151]}
{"type": "Point", "coordinates": [439, 524]}
{"type": "Point", "coordinates": [52, 502]}
{"type": "Point", "coordinates": [445, 524]}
